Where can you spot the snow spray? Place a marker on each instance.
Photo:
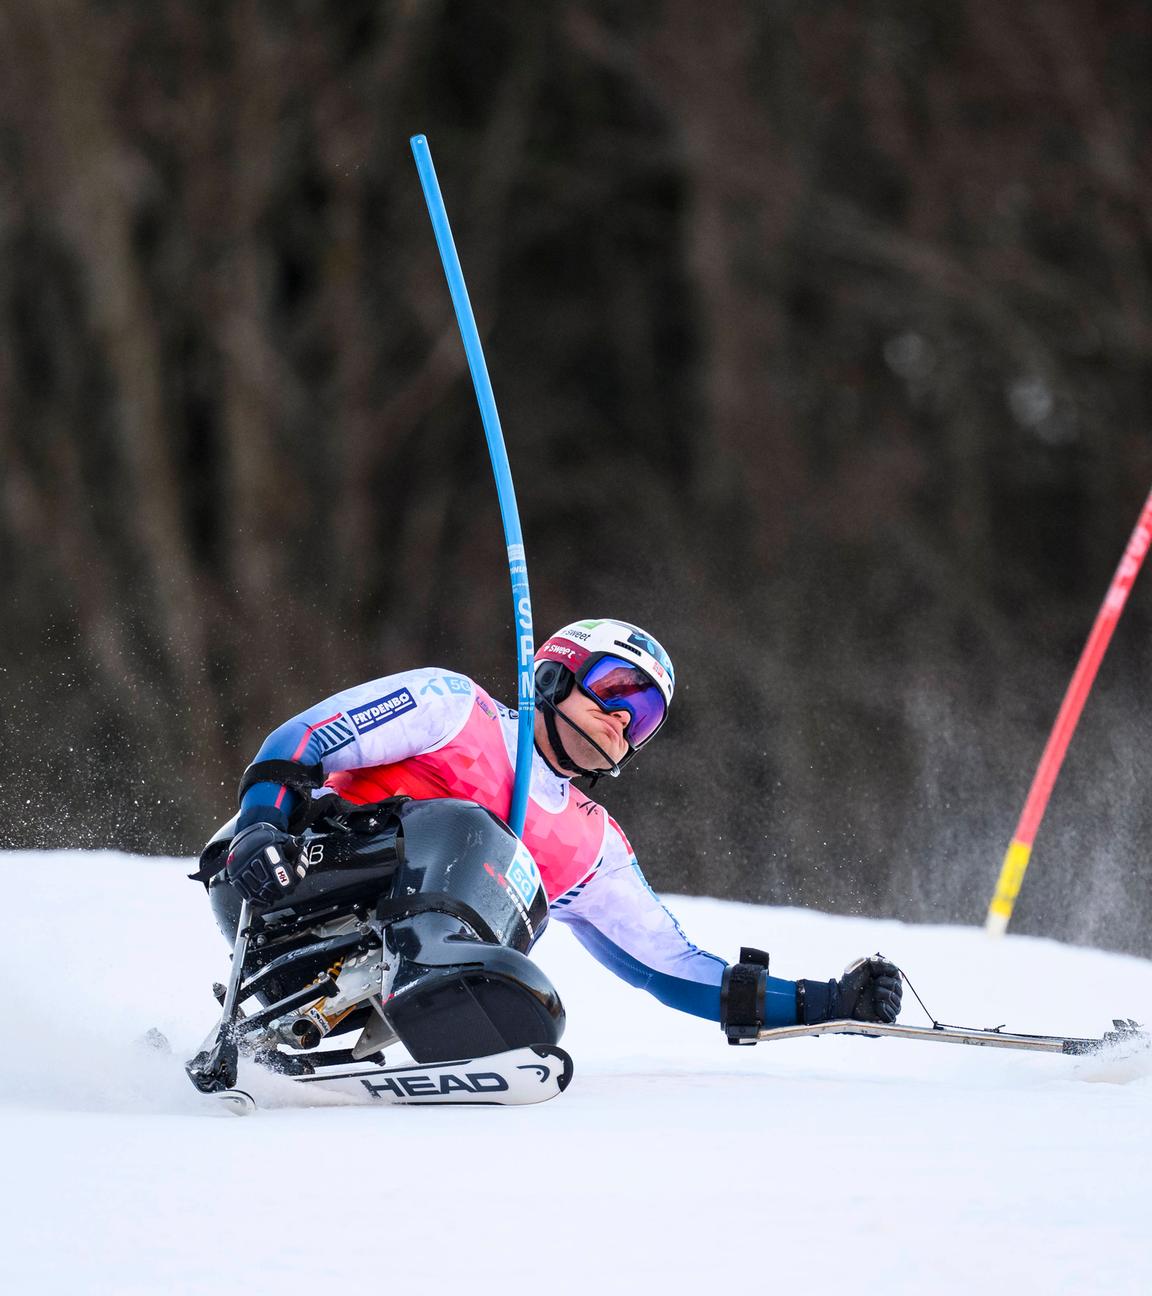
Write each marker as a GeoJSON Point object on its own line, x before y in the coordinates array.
{"type": "Point", "coordinates": [513, 539]}
{"type": "Point", "coordinates": [1020, 850]}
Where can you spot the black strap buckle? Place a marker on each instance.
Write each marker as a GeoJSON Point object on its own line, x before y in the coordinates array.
{"type": "Point", "coordinates": [293, 774]}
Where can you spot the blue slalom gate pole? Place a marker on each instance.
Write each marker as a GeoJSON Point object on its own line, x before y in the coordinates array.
{"type": "Point", "coordinates": [517, 564]}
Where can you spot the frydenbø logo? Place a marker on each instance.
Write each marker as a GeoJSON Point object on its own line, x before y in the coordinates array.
{"type": "Point", "coordinates": [382, 710]}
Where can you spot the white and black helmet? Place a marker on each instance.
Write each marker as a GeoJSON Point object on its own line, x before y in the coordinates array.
{"type": "Point", "coordinates": [619, 666]}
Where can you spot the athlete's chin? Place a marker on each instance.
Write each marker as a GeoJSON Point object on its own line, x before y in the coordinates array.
{"type": "Point", "coordinates": [596, 759]}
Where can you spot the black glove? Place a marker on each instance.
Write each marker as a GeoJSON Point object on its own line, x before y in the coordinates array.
{"type": "Point", "coordinates": [870, 991]}
{"type": "Point", "coordinates": [263, 863]}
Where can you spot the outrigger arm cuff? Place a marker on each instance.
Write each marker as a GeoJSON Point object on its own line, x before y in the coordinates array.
{"type": "Point", "coordinates": [742, 997]}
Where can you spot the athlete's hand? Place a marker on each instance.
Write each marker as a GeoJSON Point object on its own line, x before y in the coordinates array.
{"type": "Point", "coordinates": [263, 863]}
{"type": "Point", "coordinates": [870, 990]}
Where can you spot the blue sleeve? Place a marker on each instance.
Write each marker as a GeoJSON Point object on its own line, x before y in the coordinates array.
{"type": "Point", "coordinates": [299, 740]}
{"type": "Point", "coordinates": [625, 926]}
{"type": "Point", "coordinates": [701, 999]}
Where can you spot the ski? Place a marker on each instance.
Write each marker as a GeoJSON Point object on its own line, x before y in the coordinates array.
{"type": "Point", "coordinates": [516, 1078]}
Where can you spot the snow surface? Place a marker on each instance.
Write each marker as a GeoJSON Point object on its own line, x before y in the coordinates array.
{"type": "Point", "coordinates": [673, 1164]}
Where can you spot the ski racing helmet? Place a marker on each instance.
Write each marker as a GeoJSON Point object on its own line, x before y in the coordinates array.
{"type": "Point", "coordinates": [616, 664]}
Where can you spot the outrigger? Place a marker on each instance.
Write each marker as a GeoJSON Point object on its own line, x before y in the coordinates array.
{"type": "Point", "coordinates": [1125, 1031]}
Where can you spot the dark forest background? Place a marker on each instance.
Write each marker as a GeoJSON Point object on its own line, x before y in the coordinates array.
{"type": "Point", "coordinates": [822, 340]}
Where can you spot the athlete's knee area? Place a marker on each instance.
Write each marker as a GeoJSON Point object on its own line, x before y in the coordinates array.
{"type": "Point", "coordinates": [454, 996]}
{"type": "Point", "coordinates": [468, 904]}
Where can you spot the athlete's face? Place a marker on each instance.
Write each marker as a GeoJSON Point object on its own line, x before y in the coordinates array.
{"type": "Point", "coordinates": [605, 728]}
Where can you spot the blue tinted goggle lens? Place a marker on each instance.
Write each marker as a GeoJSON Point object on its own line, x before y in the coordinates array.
{"type": "Point", "coordinates": [619, 685]}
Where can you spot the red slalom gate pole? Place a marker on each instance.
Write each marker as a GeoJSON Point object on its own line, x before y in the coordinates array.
{"type": "Point", "coordinates": [1020, 850]}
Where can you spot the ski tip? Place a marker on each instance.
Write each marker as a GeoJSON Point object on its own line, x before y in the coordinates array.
{"type": "Point", "coordinates": [237, 1101]}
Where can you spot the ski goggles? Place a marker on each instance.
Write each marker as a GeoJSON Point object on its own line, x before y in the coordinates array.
{"type": "Point", "coordinates": [619, 685]}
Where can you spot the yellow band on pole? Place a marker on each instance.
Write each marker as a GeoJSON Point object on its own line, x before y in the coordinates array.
{"type": "Point", "coordinates": [1008, 887]}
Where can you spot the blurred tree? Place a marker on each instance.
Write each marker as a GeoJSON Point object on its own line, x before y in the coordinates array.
{"type": "Point", "coordinates": [821, 336]}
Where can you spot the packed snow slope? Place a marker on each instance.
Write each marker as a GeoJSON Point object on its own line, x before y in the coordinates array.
{"type": "Point", "coordinates": [673, 1164]}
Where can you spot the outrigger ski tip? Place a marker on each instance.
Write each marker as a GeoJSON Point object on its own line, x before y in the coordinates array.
{"type": "Point", "coordinates": [1125, 1031]}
